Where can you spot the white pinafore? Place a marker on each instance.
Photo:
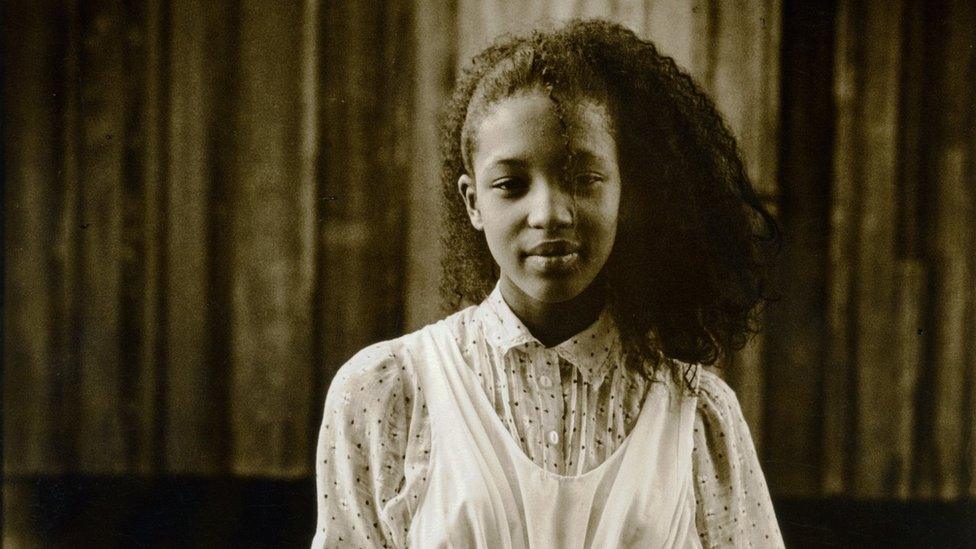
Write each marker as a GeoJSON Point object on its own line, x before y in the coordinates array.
{"type": "Point", "coordinates": [483, 491]}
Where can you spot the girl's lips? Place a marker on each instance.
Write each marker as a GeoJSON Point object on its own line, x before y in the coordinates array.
{"type": "Point", "coordinates": [553, 264]}
{"type": "Point", "coordinates": [554, 248]}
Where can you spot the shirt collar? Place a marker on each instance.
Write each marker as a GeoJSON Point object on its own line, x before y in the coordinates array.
{"type": "Point", "coordinates": [589, 351]}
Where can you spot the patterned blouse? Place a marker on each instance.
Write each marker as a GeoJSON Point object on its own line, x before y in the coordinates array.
{"type": "Point", "coordinates": [568, 406]}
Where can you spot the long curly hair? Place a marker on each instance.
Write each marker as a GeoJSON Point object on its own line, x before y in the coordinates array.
{"type": "Point", "coordinates": [693, 255]}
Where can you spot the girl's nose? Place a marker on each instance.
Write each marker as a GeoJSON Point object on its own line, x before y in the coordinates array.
{"type": "Point", "coordinates": [552, 206]}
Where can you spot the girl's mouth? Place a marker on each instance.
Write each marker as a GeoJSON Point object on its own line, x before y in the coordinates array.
{"type": "Point", "coordinates": [553, 263]}
{"type": "Point", "coordinates": [555, 256]}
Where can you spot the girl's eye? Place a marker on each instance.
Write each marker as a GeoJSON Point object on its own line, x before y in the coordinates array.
{"type": "Point", "coordinates": [587, 179]}
{"type": "Point", "coordinates": [509, 184]}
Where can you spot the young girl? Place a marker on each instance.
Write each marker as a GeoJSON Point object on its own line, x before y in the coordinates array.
{"type": "Point", "coordinates": [606, 241]}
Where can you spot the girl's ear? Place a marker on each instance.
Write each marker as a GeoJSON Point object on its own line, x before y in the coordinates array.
{"type": "Point", "coordinates": [467, 189]}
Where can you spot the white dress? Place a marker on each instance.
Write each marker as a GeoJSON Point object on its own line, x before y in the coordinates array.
{"type": "Point", "coordinates": [485, 493]}
{"type": "Point", "coordinates": [568, 409]}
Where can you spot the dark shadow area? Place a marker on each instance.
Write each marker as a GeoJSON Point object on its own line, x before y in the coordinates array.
{"type": "Point", "coordinates": [209, 512]}
{"type": "Point", "coordinates": [846, 523]}
{"type": "Point", "coordinates": [164, 512]}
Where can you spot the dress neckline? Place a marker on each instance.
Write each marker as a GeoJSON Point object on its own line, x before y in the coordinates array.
{"type": "Point", "coordinates": [481, 401]}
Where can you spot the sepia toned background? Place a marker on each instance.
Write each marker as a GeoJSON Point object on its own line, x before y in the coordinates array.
{"type": "Point", "coordinates": [210, 206]}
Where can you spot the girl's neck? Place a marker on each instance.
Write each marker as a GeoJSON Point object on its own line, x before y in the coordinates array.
{"type": "Point", "coordinates": [553, 323]}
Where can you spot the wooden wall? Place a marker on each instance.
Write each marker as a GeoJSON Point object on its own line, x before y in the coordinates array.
{"type": "Point", "coordinates": [872, 358]}
{"type": "Point", "coordinates": [903, 297]}
{"type": "Point", "coordinates": [202, 222]}
{"type": "Point", "coordinates": [209, 207]}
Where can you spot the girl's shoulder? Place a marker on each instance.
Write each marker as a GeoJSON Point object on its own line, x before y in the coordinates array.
{"type": "Point", "coordinates": [718, 406]}
{"type": "Point", "coordinates": [714, 388]}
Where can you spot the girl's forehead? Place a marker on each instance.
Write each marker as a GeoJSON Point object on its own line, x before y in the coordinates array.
{"type": "Point", "coordinates": [532, 121]}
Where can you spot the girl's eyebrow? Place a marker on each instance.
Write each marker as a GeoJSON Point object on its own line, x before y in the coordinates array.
{"type": "Point", "coordinates": [576, 156]}
{"type": "Point", "coordinates": [580, 157]}
{"type": "Point", "coordinates": [510, 162]}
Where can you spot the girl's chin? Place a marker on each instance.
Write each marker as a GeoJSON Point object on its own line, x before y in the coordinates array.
{"type": "Point", "coordinates": [553, 290]}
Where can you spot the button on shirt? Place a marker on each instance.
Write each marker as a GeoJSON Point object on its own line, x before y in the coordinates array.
{"type": "Point", "coordinates": [568, 406]}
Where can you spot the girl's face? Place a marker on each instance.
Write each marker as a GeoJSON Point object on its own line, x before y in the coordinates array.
{"type": "Point", "coordinates": [546, 192]}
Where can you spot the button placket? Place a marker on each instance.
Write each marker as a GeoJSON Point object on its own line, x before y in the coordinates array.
{"type": "Point", "coordinates": [550, 406]}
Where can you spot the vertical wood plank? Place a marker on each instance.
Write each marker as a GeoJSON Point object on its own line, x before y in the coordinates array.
{"type": "Point", "coordinates": [631, 13]}
{"type": "Point", "coordinates": [478, 23]}
{"type": "Point", "coordinates": [395, 155]}
{"type": "Point", "coordinates": [31, 141]}
{"type": "Point", "coordinates": [877, 461]}
{"type": "Point", "coordinates": [745, 80]}
{"type": "Point", "coordinates": [678, 28]}
{"type": "Point", "coordinates": [838, 409]}
{"type": "Point", "coordinates": [350, 231]}
{"type": "Point", "coordinates": [794, 355]}
{"type": "Point", "coordinates": [151, 143]}
{"type": "Point", "coordinates": [364, 118]}
{"type": "Point", "coordinates": [907, 364]}
{"type": "Point", "coordinates": [669, 21]}
{"type": "Point", "coordinates": [435, 66]}
{"type": "Point", "coordinates": [953, 283]}
{"type": "Point", "coordinates": [970, 183]}
{"type": "Point", "coordinates": [309, 161]}
{"type": "Point", "coordinates": [914, 224]}
{"type": "Point", "coordinates": [913, 123]}
{"type": "Point", "coordinates": [910, 332]}
{"type": "Point", "coordinates": [67, 245]}
{"type": "Point", "coordinates": [136, 379]}
{"type": "Point", "coordinates": [272, 256]}
{"type": "Point", "coordinates": [332, 125]}
{"type": "Point", "coordinates": [969, 414]}
{"type": "Point", "coordinates": [102, 103]}
{"type": "Point", "coordinates": [952, 246]}
{"type": "Point", "coordinates": [191, 417]}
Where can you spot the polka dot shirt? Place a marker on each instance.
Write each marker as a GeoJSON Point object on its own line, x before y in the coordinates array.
{"type": "Point", "coordinates": [569, 407]}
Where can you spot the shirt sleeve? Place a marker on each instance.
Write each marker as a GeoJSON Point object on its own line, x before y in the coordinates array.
{"type": "Point", "coordinates": [360, 455]}
{"type": "Point", "coordinates": [733, 504]}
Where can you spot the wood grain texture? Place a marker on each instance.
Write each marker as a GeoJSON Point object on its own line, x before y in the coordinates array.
{"type": "Point", "coordinates": [795, 327]}
{"type": "Point", "coordinates": [875, 298]}
{"type": "Point", "coordinates": [34, 272]}
{"type": "Point", "coordinates": [191, 421]}
{"type": "Point", "coordinates": [270, 213]}
{"type": "Point", "coordinates": [677, 27]}
{"type": "Point", "coordinates": [902, 308]}
{"type": "Point", "coordinates": [744, 82]}
{"type": "Point", "coordinates": [909, 362]}
{"type": "Point", "coordinates": [65, 320]}
{"type": "Point", "coordinates": [436, 60]}
{"type": "Point", "coordinates": [101, 150]}
{"type": "Point", "coordinates": [179, 295]}
{"type": "Point", "coordinates": [838, 370]}
{"type": "Point", "coordinates": [952, 245]}
{"type": "Point", "coordinates": [146, 217]}
{"type": "Point", "coordinates": [365, 118]}
{"type": "Point", "coordinates": [970, 337]}
{"type": "Point", "coordinates": [308, 165]}
{"type": "Point", "coordinates": [952, 283]}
